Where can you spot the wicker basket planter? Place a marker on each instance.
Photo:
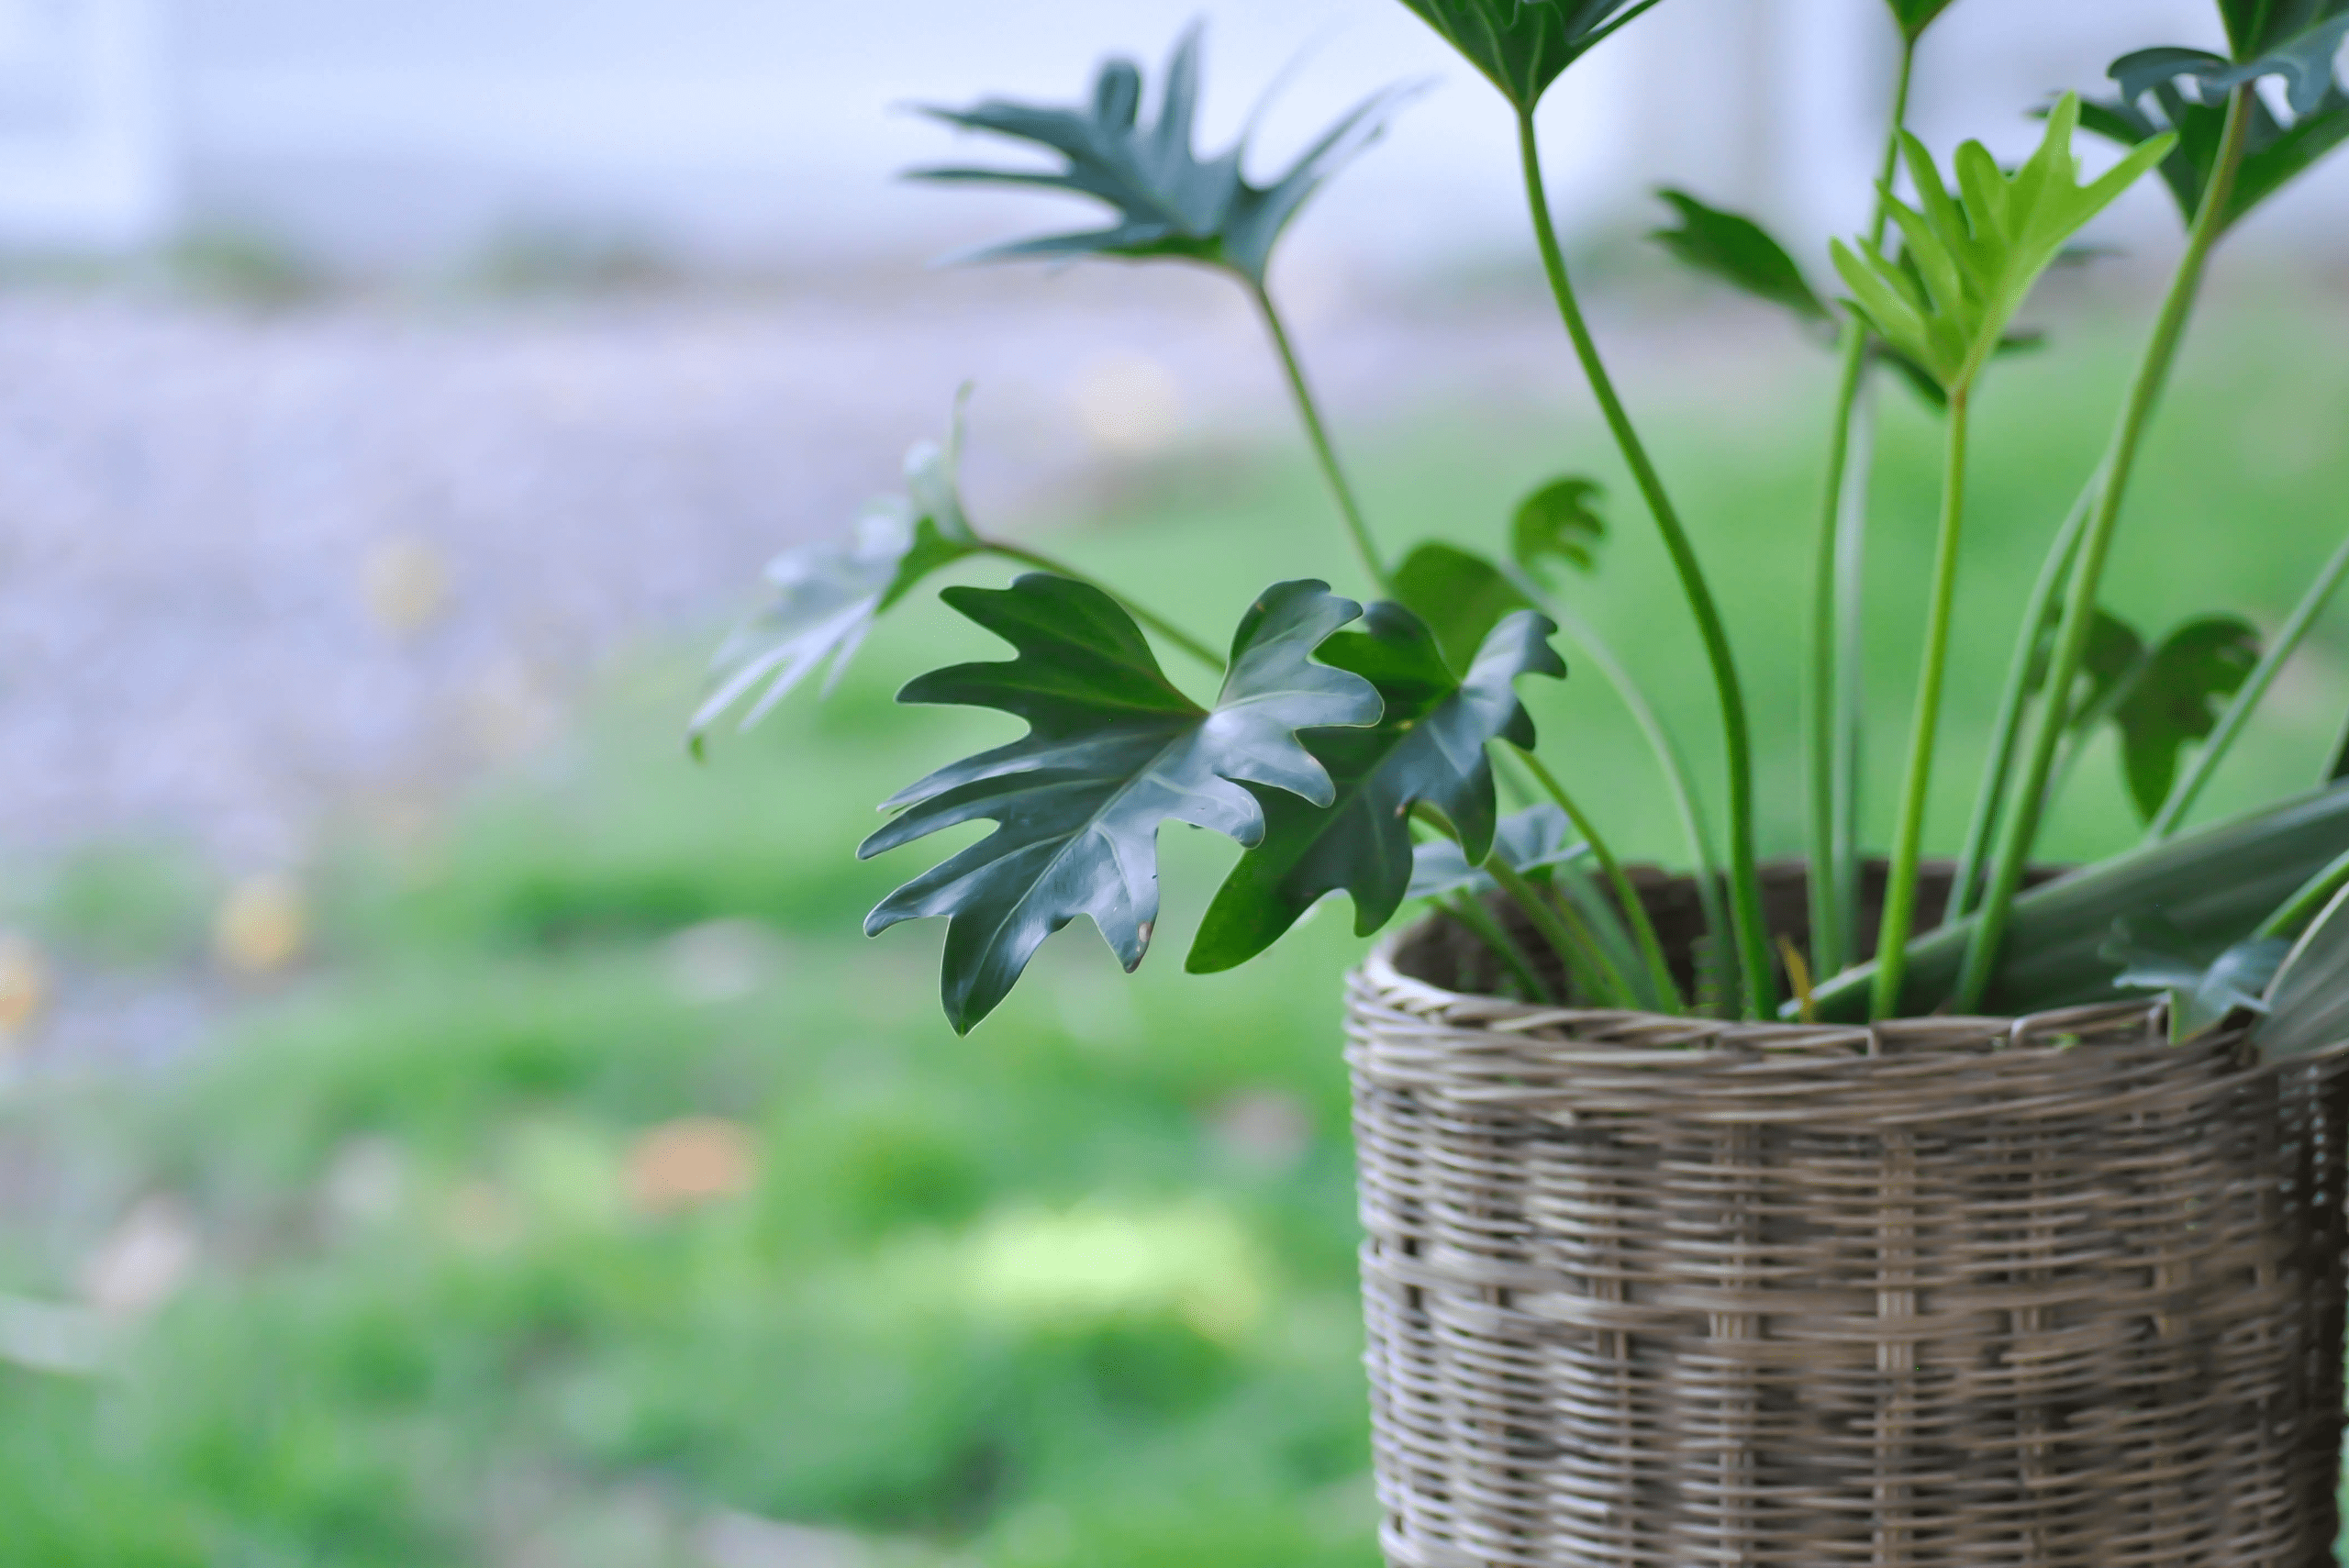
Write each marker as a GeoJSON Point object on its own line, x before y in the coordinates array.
{"type": "Point", "coordinates": [1664, 1292]}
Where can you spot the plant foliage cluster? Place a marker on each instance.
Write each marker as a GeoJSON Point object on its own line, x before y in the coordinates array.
{"type": "Point", "coordinates": [1363, 750]}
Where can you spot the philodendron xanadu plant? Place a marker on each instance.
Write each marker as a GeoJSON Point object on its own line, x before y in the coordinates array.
{"type": "Point", "coordinates": [1355, 747]}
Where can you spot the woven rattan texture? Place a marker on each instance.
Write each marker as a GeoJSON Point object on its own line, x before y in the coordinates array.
{"type": "Point", "coordinates": [1673, 1293]}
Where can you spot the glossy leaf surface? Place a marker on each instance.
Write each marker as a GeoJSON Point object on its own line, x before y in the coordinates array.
{"type": "Point", "coordinates": [2174, 698]}
{"type": "Point", "coordinates": [826, 595]}
{"type": "Point", "coordinates": [2298, 41]}
{"type": "Point", "coordinates": [2308, 1004]}
{"type": "Point", "coordinates": [1167, 199]}
{"type": "Point", "coordinates": [2202, 992]}
{"type": "Point", "coordinates": [1113, 751]}
{"type": "Point", "coordinates": [1972, 257]}
{"type": "Point", "coordinates": [1533, 839]}
{"type": "Point", "coordinates": [2215, 885]}
{"type": "Point", "coordinates": [1560, 523]}
{"type": "Point", "coordinates": [1522, 46]}
{"type": "Point", "coordinates": [1741, 254]}
{"type": "Point", "coordinates": [1428, 747]}
{"type": "Point", "coordinates": [2274, 154]}
{"type": "Point", "coordinates": [1460, 596]}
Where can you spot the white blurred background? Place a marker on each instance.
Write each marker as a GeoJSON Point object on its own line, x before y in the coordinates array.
{"type": "Point", "coordinates": [765, 132]}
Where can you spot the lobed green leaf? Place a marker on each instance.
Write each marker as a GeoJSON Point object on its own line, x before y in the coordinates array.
{"type": "Point", "coordinates": [1113, 752]}
{"type": "Point", "coordinates": [1168, 201]}
{"type": "Point", "coordinates": [1523, 46]}
{"type": "Point", "coordinates": [1428, 747]}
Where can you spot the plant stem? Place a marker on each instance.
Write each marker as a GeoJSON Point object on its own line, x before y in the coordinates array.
{"type": "Point", "coordinates": [1159, 624]}
{"type": "Point", "coordinates": [1564, 929]}
{"type": "Point", "coordinates": [1635, 909]}
{"type": "Point", "coordinates": [1674, 767]}
{"type": "Point", "coordinates": [1479, 920]}
{"type": "Point", "coordinates": [2306, 903]}
{"type": "Point", "coordinates": [2021, 830]}
{"type": "Point", "coordinates": [1745, 881]}
{"type": "Point", "coordinates": [1908, 848]}
{"type": "Point", "coordinates": [2013, 703]}
{"type": "Point", "coordinates": [1832, 719]}
{"type": "Point", "coordinates": [1318, 433]}
{"type": "Point", "coordinates": [2287, 641]}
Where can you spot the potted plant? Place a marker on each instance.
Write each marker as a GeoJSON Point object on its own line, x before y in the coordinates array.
{"type": "Point", "coordinates": [1884, 1211]}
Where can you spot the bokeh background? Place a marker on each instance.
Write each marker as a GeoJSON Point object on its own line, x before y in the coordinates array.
{"type": "Point", "coordinates": [439, 1124]}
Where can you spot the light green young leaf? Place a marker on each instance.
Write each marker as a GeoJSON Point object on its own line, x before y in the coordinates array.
{"type": "Point", "coordinates": [1168, 200]}
{"type": "Point", "coordinates": [1522, 46]}
{"type": "Point", "coordinates": [827, 595]}
{"type": "Point", "coordinates": [1975, 253]}
{"type": "Point", "coordinates": [1113, 752]}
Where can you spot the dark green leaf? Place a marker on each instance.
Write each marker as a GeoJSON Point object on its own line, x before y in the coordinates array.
{"type": "Point", "coordinates": [1741, 254]}
{"type": "Point", "coordinates": [1524, 45]}
{"type": "Point", "coordinates": [1460, 595]}
{"type": "Point", "coordinates": [2115, 653]}
{"type": "Point", "coordinates": [825, 596]}
{"type": "Point", "coordinates": [2296, 39]}
{"type": "Point", "coordinates": [2308, 1004]}
{"type": "Point", "coordinates": [2215, 885]}
{"type": "Point", "coordinates": [1533, 839]}
{"type": "Point", "coordinates": [2204, 992]}
{"type": "Point", "coordinates": [2274, 155]}
{"type": "Point", "coordinates": [2175, 698]}
{"type": "Point", "coordinates": [1559, 522]}
{"type": "Point", "coordinates": [1428, 747]}
{"type": "Point", "coordinates": [1168, 201]}
{"type": "Point", "coordinates": [1916, 15]}
{"type": "Point", "coordinates": [1113, 751]}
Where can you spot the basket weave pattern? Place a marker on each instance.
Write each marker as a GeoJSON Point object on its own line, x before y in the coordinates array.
{"type": "Point", "coordinates": [1671, 1292]}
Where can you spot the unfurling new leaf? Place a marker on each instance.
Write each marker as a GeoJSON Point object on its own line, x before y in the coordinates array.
{"type": "Point", "coordinates": [1973, 255]}
{"type": "Point", "coordinates": [1168, 200]}
{"type": "Point", "coordinates": [1522, 46]}
{"type": "Point", "coordinates": [827, 597]}
{"type": "Point", "coordinates": [1113, 751]}
{"type": "Point", "coordinates": [1428, 747]}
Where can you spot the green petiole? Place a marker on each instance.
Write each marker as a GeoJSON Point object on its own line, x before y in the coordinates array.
{"type": "Point", "coordinates": [1159, 624]}
{"type": "Point", "coordinates": [2295, 631]}
{"type": "Point", "coordinates": [1318, 433]}
{"type": "Point", "coordinates": [1908, 849]}
{"type": "Point", "coordinates": [1635, 912]}
{"type": "Point", "coordinates": [2023, 821]}
{"type": "Point", "coordinates": [1754, 963]}
{"type": "Point", "coordinates": [1831, 716]}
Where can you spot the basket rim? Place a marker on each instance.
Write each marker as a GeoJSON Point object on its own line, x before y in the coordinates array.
{"type": "Point", "coordinates": [1905, 1039]}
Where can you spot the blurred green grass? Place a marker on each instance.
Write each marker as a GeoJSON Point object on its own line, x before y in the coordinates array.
{"type": "Point", "coordinates": [1076, 1291]}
